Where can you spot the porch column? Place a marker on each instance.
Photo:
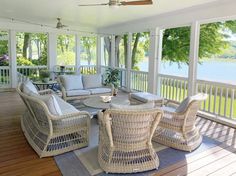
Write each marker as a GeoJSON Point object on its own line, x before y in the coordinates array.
{"type": "Point", "coordinates": [153, 58]}
{"type": "Point", "coordinates": [99, 53]}
{"type": "Point", "coordinates": [129, 62]}
{"type": "Point", "coordinates": [113, 48]}
{"type": "Point", "coordinates": [77, 54]}
{"type": "Point", "coordinates": [159, 57]}
{"type": "Point", "coordinates": [193, 58]}
{"type": "Point", "coordinates": [13, 62]}
{"type": "Point", "coordinates": [52, 52]}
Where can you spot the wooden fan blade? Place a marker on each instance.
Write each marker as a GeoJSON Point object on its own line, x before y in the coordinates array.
{"type": "Point", "coordinates": [144, 2]}
{"type": "Point", "coordinates": [83, 5]}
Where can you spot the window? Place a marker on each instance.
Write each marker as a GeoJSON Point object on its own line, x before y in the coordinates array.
{"type": "Point", "coordinates": [31, 48]}
{"type": "Point", "coordinates": [175, 52]}
{"type": "Point", "coordinates": [4, 56]}
{"type": "Point", "coordinates": [66, 50]}
{"type": "Point", "coordinates": [88, 52]}
{"type": "Point", "coordinates": [140, 49]}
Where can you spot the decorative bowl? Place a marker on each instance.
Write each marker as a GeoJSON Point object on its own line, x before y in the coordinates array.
{"type": "Point", "coordinates": [106, 99]}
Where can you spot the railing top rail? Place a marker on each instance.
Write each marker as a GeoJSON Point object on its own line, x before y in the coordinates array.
{"type": "Point", "coordinates": [135, 71]}
{"type": "Point", "coordinates": [4, 67]}
{"type": "Point", "coordinates": [219, 84]}
{"type": "Point", "coordinates": [174, 77]}
{"type": "Point", "coordinates": [36, 66]}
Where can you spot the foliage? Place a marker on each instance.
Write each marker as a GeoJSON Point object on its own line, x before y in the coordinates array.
{"type": "Point", "coordinates": [24, 62]}
{"type": "Point", "coordinates": [32, 46]}
{"type": "Point", "coordinates": [44, 74]}
{"type": "Point", "coordinates": [88, 49]}
{"type": "Point", "coordinates": [66, 58]}
{"type": "Point", "coordinates": [112, 77]}
{"type": "Point", "coordinates": [66, 50]}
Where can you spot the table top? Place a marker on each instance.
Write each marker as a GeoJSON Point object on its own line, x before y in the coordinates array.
{"type": "Point", "coordinates": [44, 83]}
{"type": "Point", "coordinates": [96, 102]}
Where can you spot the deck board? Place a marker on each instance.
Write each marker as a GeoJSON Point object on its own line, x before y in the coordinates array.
{"type": "Point", "coordinates": [18, 158]}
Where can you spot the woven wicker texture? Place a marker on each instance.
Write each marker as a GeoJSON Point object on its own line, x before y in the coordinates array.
{"type": "Point", "coordinates": [125, 140]}
{"type": "Point", "coordinates": [52, 136]}
{"type": "Point", "coordinates": [178, 130]}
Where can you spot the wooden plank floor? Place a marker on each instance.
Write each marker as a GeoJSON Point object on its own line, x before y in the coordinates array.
{"type": "Point", "coordinates": [17, 157]}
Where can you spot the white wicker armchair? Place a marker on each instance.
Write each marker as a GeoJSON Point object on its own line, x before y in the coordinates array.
{"type": "Point", "coordinates": [177, 127]}
{"type": "Point", "coordinates": [51, 135]}
{"type": "Point", "coordinates": [125, 140]}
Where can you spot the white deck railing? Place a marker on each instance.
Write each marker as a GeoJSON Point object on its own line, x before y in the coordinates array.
{"type": "Point", "coordinates": [4, 77]}
{"type": "Point", "coordinates": [221, 99]}
{"type": "Point", "coordinates": [139, 80]}
{"type": "Point", "coordinates": [30, 71]}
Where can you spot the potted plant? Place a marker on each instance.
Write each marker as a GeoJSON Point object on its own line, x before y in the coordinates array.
{"type": "Point", "coordinates": [112, 77]}
{"type": "Point", "coordinates": [44, 75]}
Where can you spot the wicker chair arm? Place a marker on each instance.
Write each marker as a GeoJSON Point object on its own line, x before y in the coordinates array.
{"type": "Point", "coordinates": [172, 103]}
{"type": "Point", "coordinates": [71, 116]}
{"type": "Point", "coordinates": [170, 114]}
{"type": "Point", "coordinates": [46, 92]}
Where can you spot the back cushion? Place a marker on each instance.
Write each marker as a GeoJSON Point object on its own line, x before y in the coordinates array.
{"type": "Point", "coordinates": [28, 88]}
{"type": "Point", "coordinates": [184, 105]}
{"type": "Point", "coordinates": [72, 82]}
{"type": "Point", "coordinates": [52, 104]}
{"type": "Point", "coordinates": [92, 81]}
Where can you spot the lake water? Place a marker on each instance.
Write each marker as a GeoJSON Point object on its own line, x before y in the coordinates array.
{"type": "Point", "coordinates": [212, 70]}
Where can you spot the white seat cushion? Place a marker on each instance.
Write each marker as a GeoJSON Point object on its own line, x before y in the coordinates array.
{"type": "Point", "coordinates": [71, 93]}
{"type": "Point", "coordinates": [92, 81]}
{"type": "Point", "coordinates": [72, 82]}
{"type": "Point", "coordinates": [145, 97]}
{"type": "Point", "coordinates": [144, 106]}
{"type": "Point", "coordinates": [28, 88]}
{"type": "Point", "coordinates": [99, 90]}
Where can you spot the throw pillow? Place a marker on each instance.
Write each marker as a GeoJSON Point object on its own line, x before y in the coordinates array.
{"type": "Point", "coordinates": [72, 82]}
{"type": "Point", "coordinates": [92, 81]}
{"type": "Point", "coordinates": [28, 88]}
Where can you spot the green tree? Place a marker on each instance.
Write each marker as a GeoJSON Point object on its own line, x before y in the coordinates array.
{"type": "Point", "coordinates": [88, 45]}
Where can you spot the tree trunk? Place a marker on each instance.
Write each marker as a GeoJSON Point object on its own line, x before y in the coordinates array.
{"type": "Point", "coordinates": [126, 49]}
{"type": "Point", "coordinates": [117, 49]}
{"type": "Point", "coordinates": [134, 51]}
{"type": "Point", "coordinates": [26, 44]}
{"type": "Point", "coordinates": [107, 42]}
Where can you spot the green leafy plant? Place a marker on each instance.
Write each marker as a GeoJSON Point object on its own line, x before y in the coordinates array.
{"type": "Point", "coordinates": [44, 74]}
{"type": "Point", "coordinates": [112, 77]}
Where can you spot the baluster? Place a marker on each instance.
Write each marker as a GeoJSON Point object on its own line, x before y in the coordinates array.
{"type": "Point", "coordinates": [206, 100]}
{"type": "Point", "coordinates": [232, 104]}
{"type": "Point", "coordinates": [209, 104]}
{"type": "Point", "coordinates": [176, 90]}
{"type": "Point", "coordinates": [215, 99]}
{"type": "Point", "coordinates": [221, 91]}
{"type": "Point", "coordinates": [226, 100]}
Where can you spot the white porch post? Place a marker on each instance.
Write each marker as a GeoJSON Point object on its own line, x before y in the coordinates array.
{"type": "Point", "coordinates": [193, 58]}
{"type": "Point", "coordinates": [13, 63]}
{"type": "Point", "coordinates": [153, 57]}
{"type": "Point", "coordinates": [99, 53]}
{"type": "Point", "coordinates": [52, 51]}
{"type": "Point", "coordinates": [113, 54]}
{"type": "Point", "coordinates": [159, 57]}
{"type": "Point", "coordinates": [77, 54]}
{"type": "Point", "coordinates": [129, 62]}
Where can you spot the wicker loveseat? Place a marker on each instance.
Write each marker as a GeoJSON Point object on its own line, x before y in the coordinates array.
{"type": "Point", "coordinates": [177, 127]}
{"type": "Point", "coordinates": [50, 134]}
{"type": "Point", "coordinates": [82, 86]}
{"type": "Point", "coordinates": [125, 139]}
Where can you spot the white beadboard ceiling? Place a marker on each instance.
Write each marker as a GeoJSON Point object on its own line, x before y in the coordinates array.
{"type": "Point", "coordinates": [46, 11]}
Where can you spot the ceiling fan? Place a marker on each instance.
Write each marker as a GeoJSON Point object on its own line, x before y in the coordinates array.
{"type": "Point", "coordinates": [59, 24]}
{"type": "Point", "coordinates": [116, 3]}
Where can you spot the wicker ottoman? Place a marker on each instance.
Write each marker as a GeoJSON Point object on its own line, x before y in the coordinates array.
{"type": "Point", "coordinates": [145, 97]}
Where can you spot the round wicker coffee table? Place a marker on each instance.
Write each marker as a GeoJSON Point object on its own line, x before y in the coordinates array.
{"type": "Point", "coordinates": [96, 102]}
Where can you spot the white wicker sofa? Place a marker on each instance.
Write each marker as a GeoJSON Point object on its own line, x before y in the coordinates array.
{"type": "Point", "coordinates": [51, 125]}
{"type": "Point", "coordinates": [82, 86]}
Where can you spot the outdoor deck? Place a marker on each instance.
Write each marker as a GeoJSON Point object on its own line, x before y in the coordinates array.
{"type": "Point", "coordinates": [18, 158]}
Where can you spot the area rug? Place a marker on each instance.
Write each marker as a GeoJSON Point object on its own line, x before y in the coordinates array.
{"type": "Point", "coordinates": [83, 162]}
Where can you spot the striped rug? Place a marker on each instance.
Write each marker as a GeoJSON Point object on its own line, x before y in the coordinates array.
{"type": "Point", "coordinates": [83, 162]}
